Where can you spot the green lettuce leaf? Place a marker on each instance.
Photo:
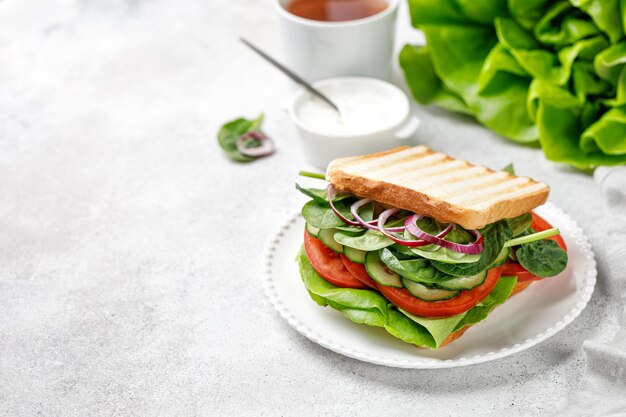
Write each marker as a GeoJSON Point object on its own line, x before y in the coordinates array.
{"type": "Point", "coordinates": [424, 83]}
{"type": "Point", "coordinates": [370, 308]}
{"type": "Point", "coordinates": [535, 71]}
{"type": "Point", "coordinates": [360, 306]}
{"type": "Point", "coordinates": [561, 25]}
{"type": "Point", "coordinates": [608, 134]}
{"type": "Point", "coordinates": [439, 328]}
{"type": "Point", "coordinates": [528, 12]}
{"type": "Point", "coordinates": [606, 14]}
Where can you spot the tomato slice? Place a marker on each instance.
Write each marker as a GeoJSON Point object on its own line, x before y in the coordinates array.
{"type": "Point", "coordinates": [459, 304]}
{"type": "Point", "coordinates": [511, 268]}
{"type": "Point", "coordinates": [328, 264]}
{"type": "Point", "coordinates": [358, 271]}
{"type": "Point", "coordinates": [539, 224]}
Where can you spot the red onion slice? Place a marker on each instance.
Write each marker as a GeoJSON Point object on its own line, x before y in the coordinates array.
{"type": "Point", "coordinates": [381, 226]}
{"type": "Point", "coordinates": [382, 219]}
{"type": "Point", "coordinates": [473, 248]}
{"type": "Point", "coordinates": [354, 209]}
{"type": "Point", "coordinates": [372, 224]}
{"type": "Point", "coordinates": [265, 148]}
{"type": "Point", "coordinates": [331, 191]}
{"type": "Point", "coordinates": [445, 231]}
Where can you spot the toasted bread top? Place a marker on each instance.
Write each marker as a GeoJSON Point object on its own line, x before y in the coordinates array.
{"type": "Point", "coordinates": [432, 183]}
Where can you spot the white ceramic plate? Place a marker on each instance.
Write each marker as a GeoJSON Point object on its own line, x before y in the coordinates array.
{"type": "Point", "coordinates": [531, 317]}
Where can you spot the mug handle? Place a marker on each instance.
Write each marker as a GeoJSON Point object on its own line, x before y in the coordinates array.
{"type": "Point", "coordinates": [408, 129]}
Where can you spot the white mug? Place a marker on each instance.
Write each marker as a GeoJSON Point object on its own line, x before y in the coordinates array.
{"type": "Point", "coordinates": [318, 50]}
{"type": "Point", "coordinates": [320, 147]}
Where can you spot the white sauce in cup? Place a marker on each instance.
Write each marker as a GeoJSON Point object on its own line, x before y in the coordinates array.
{"type": "Point", "coordinates": [365, 108]}
{"type": "Point", "coordinates": [375, 116]}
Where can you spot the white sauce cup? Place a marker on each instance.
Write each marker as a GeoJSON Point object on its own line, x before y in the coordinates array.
{"type": "Point", "coordinates": [321, 145]}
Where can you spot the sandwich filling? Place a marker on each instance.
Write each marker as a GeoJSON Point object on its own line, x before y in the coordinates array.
{"type": "Point", "coordinates": [423, 280]}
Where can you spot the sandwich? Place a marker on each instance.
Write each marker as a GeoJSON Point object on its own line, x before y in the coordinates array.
{"type": "Point", "coordinates": [422, 244]}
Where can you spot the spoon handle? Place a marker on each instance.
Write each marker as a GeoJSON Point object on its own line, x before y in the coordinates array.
{"type": "Point", "coordinates": [291, 74]}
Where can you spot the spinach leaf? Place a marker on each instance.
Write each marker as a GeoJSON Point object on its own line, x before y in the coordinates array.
{"type": "Point", "coordinates": [509, 168]}
{"type": "Point", "coordinates": [320, 195]}
{"type": "Point", "coordinates": [459, 235]}
{"type": "Point", "coordinates": [419, 270]}
{"type": "Point", "coordinates": [369, 241]}
{"type": "Point", "coordinates": [231, 131]}
{"type": "Point", "coordinates": [351, 230]}
{"type": "Point", "coordinates": [495, 235]}
{"type": "Point", "coordinates": [320, 215]}
{"type": "Point", "coordinates": [438, 253]}
{"type": "Point", "coordinates": [403, 252]}
{"type": "Point", "coordinates": [520, 224]}
{"type": "Point", "coordinates": [543, 258]}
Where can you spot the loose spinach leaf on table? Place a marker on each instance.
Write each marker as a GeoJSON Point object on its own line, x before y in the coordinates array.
{"type": "Point", "coordinates": [495, 235]}
{"type": "Point", "coordinates": [231, 131]}
{"type": "Point", "coordinates": [543, 258]}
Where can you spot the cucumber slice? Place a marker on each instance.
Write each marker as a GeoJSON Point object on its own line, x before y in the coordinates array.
{"type": "Point", "coordinates": [312, 230]}
{"type": "Point", "coordinates": [355, 255]}
{"type": "Point", "coordinates": [379, 271]}
{"type": "Point", "coordinates": [427, 294]}
{"type": "Point", "coordinates": [504, 254]}
{"type": "Point", "coordinates": [327, 238]}
{"type": "Point", "coordinates": [463, 283]}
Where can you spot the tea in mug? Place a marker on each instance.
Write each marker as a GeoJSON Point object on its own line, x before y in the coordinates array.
{"type": "Point", "coordinates": [335, 10]}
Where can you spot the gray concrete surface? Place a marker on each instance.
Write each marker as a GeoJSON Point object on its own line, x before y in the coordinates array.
{"type": "Point", "coordinates": [129, 245]}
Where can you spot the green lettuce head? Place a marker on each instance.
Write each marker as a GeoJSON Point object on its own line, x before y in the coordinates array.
{"type": "Point", "coordinates": [534, 71]}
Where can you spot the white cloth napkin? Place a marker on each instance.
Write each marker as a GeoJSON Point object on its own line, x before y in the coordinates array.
{"type": "Point", "coordinates": [602, 390]}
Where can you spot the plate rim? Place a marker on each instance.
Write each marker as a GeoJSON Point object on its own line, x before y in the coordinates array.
{"type": "Point", "coordinates": [588, 286]}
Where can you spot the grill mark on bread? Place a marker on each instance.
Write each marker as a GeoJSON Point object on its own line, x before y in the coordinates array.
{"type": "Point", "coordinates": [487, 178]}
{"type": "Point", "coordinates": [487, 193]}
{"type": "Point", "coordinates": [411, 163]}
{"type": "Point", "coordinates": [388, 158]}
{"type": "Point", "coordinates": [529, 189]}
{"type": "Point", "coordinates": [449, 177]}
{"type": "Point", "coordinates": [413, 179]}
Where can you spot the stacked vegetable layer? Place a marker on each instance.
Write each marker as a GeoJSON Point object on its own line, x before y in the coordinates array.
{"type": "Point", "coordinates": [531, 70]}
{"type": "Point", "coordinates": [358, 258]}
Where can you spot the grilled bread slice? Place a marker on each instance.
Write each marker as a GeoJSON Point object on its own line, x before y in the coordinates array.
{"type": "Point", "coordinates": [433, 184]}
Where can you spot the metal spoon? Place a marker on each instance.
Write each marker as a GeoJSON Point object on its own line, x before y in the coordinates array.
{"type": "Point", "coordinates": [292, 75]}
